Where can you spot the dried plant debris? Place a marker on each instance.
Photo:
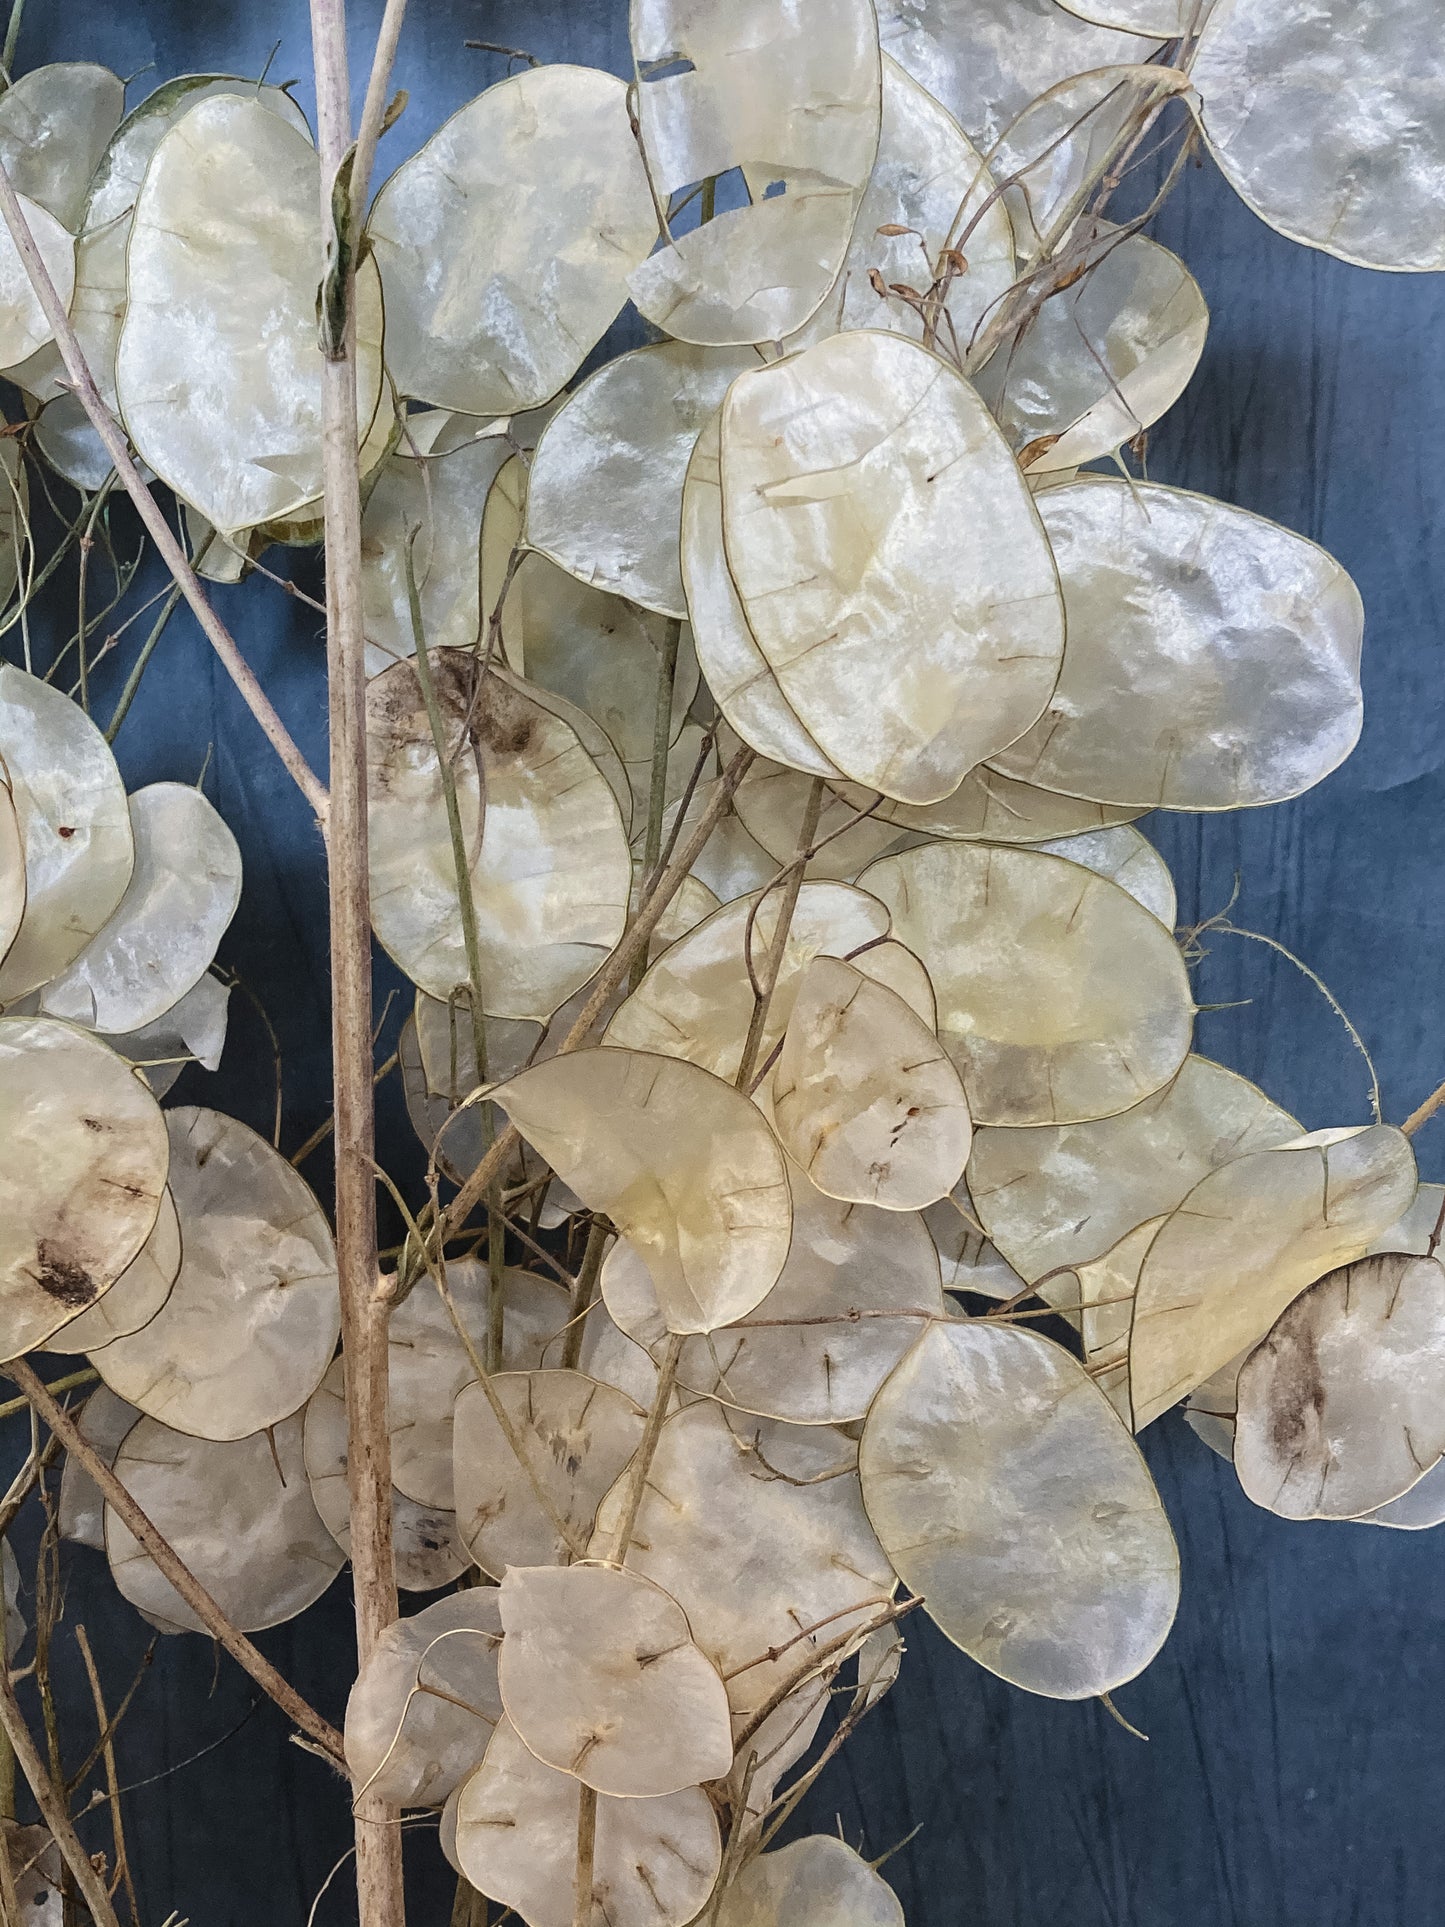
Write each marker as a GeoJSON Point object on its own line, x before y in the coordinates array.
{"type": "Point", "coordinates": [1006, 1492]}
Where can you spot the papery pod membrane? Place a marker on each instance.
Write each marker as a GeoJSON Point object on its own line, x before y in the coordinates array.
{"type": "Point", "coordinates": [772, 801]}
{"type": "Point", "coordinates": [987, 59]}
{"type": "Point", "coordinates": [251, 1323]}
{"type": "Point", "coordinates": [681, 1163]}
{"type": "Point", "coordinates": [1059, 997]}
{"type": "Point", "coordinates": [192, 1031]}
{"type": "Point", "coordinates": [1341, 1407]}
{"type": "Point", "coordinates": [1125, 857]}
{"type": "Point", "coordinates": [12, 865]}
{"type": "Point", "coordinates": [1103, 359]}
{"type": "Point", "coordinates": [36, 1864]}
{"type": "Point", "coordinates": [97, 309]}
{"type": "Point", "coordinates": [55, 124]}
{"type": "Point", "coordinates": [162, 935]}
{"type": "Point", "coordinates": [426, 1550]}
{"type": "Point", "coordinates": [240, 1515]}
{"type": "Point", "coordinates": [136, 1296]}
{"type": "Point", "coordinates": [1209, 1409]}
{"type": "Point", "coordinates": [116, 185]}
{"type": "Point", "coordinates": [604, 499]}
{"type": "Point", "coordinates": [990, 808]}
{"type": "Point", "coordinates": [814, 1882]}
{"type": "Point", "coordinates": [597, 651]}
{"type": "Point", "coordinates": [439, 491]}
{"type": "Point", "coordinates": [425, 1704]}
{"type": "Point", "coordinates": [102, 1421]}
{"type": "Point", "coordinates": [848, 471]}
{"type": "Point", "coordinates": [1246, 1241]}
{"type": "Point", "coordinates": [930, 181]}
{"type": "Point", "coordinates": [792, 100]}
{"type": "Point", "coordinates": [864, 1097]}
{"type": "Point", "coordinates": [968, 1260]}
{"type": "Point", "coordinates": [1418, 1509]}
{"type": "Point", "coordinates": [83, 1161]}
{"type": "Point", "coordinates": [696, 1001]}
{"type": "Point", "coordinates": [856, 1290]}
{"type": "Point", "coordinates": [218, 369]}
{"type": "Point", "coordinates": [71, 810]}
{"type": "Point", "coordinates": [1213, 659]}
{"type": "Point", "coordinates": [575, 1436]}
{"type": "Point", "coordinates": [1062, 1194]}
{"type": "Point", "coordinates": [1007, 1492]}
{"type": "Point", "coordinates": [737, 674]}
{"type": "Point", "coordinates": [1414, 1229]}
{"type": "Point", "coordinates": [550, 868]}
{"type": "Point", "coordinates": [1305, 105]}
{"type": "Point", "coordinates": [754, 1559]}
{"type": "Point", "coordinates": [654, 1864]}
{"type": "Point", "coordinates": [428, 1365]}
{"type": "Point", "coordinates": [1097, 1297]}
{"type": "Point", "coordinates": [601, 1679]}
{"type": "Point", "coordinates": [24, 328]}
{"type": "Point", "coordinates": [1161, 19]}
{"type": "Point", "coordinates": [505, 244]}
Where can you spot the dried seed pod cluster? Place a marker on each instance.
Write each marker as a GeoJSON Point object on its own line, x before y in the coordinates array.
{"type": "Point", "coordinates": [756, 731]}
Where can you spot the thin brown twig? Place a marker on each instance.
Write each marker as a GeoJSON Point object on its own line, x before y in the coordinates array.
{"type": "Point", "coordinates": [52, 1808]}
{"type": "Point", "coordinates": [122, 1875]}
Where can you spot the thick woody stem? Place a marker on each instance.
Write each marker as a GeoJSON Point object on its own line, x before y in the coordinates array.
{"type": "Point", "coordinates": [380, 1900]}
{"type": "Point", "coordinates": [52, 1810]}
{"type": "Point", "coordinates": [156, 525]}
{"type": "Point", "coordinates": [173, 1568]}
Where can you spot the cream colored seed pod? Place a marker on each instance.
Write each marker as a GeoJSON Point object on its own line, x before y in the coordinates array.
{"type": "Point", "coordinates": [600, 1678]}
{"type": "Point", "coordinates": [1009, 1495]}
{"type": "Point", "coordinates": [814, 1882]}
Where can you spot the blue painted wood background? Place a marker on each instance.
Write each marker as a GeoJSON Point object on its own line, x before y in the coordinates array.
{"type": "Point", "coordinates": [1295, 1767]}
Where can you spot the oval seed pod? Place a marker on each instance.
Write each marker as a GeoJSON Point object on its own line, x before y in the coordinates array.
{"type": "Point", "coordinates": [252, 1320]}
{"type": "Point", "coordinates": [505, 244]}
{"type": "Point", "coordinates": [654, 1864]}
{"type": "Point", "coordinates": [83, 1157]}
{"type": "Point", "coordinates": [1007, 1492]}
{"type": "Point", "coordinates": [1246, 1241]}
{"type": "Point", "coordinates": [696, 1001]}
{"type": "Point", "coordinates": [162, 935]}
{"type": "Point", "coordinates": [426, 1551]}
{"type": "Point", "coordinates": [1417, 1510]}
{"type": "Point", "coordinates": [550, 866]}
{"type": "Point", "coordinates": [136, 1296]}
{"type": "Point", "coordinates": [55, 124]}
{"type": "Point", "coordinates": [814, 1882]}
{"type": "Point", "coordinates": [928, 186]}
{"type": "Point", "coordinates": [1059, 997]}
{"type": "Point", "coordinates": [849, 471]}
{"type": "Point", "coordinates": [600, 1678]}
{"type": "Point", "coordinates": [1341, 1407]}
{"type": "Point", "coordinates": [425, 1704]}
{"type": "Point", "coordinates": [737, 673]}
{"type": "Point", "coordinates": [1103, 359]}
{"type": "Point", "coordinates": [71, 810]}
{"type": "Point", "coordinates": [793, 100]}
{"type": "Point", "coordinates": [755, 1560]}
{"type": "Point", "coordinates": [987, 59]}
{"type": "Point", "coordinates": [857, 1288]}
{"type": "Point", "coordinates": [682, 1164]}
{"type": "Point", "coordinates": [604, 497]}
{"type": "Point", "coordinates": [428, 1365]}
{"type": "Point", "coordinates": [1063, 1194]}
{"type": "Point", "coordinates": [865, 1098]}
{"type": "Point", "coordinates": [239, 1514]}
{"type": "Point", "coordinates": [222, 256]}
{"type": "Point", "coordinates": [1213, 659]}
{"type": "Point", "coordinates": [575, 1436]}
{"type": "Point", "coordinates": [1304, 107]}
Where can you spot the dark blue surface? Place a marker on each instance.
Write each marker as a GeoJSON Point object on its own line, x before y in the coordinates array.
{"type": "Point", "coordinates": [1296, 1763]}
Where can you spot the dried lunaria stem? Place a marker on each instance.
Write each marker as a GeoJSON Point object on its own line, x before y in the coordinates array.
{"type": "Point", "coordinates": [739, 750]}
